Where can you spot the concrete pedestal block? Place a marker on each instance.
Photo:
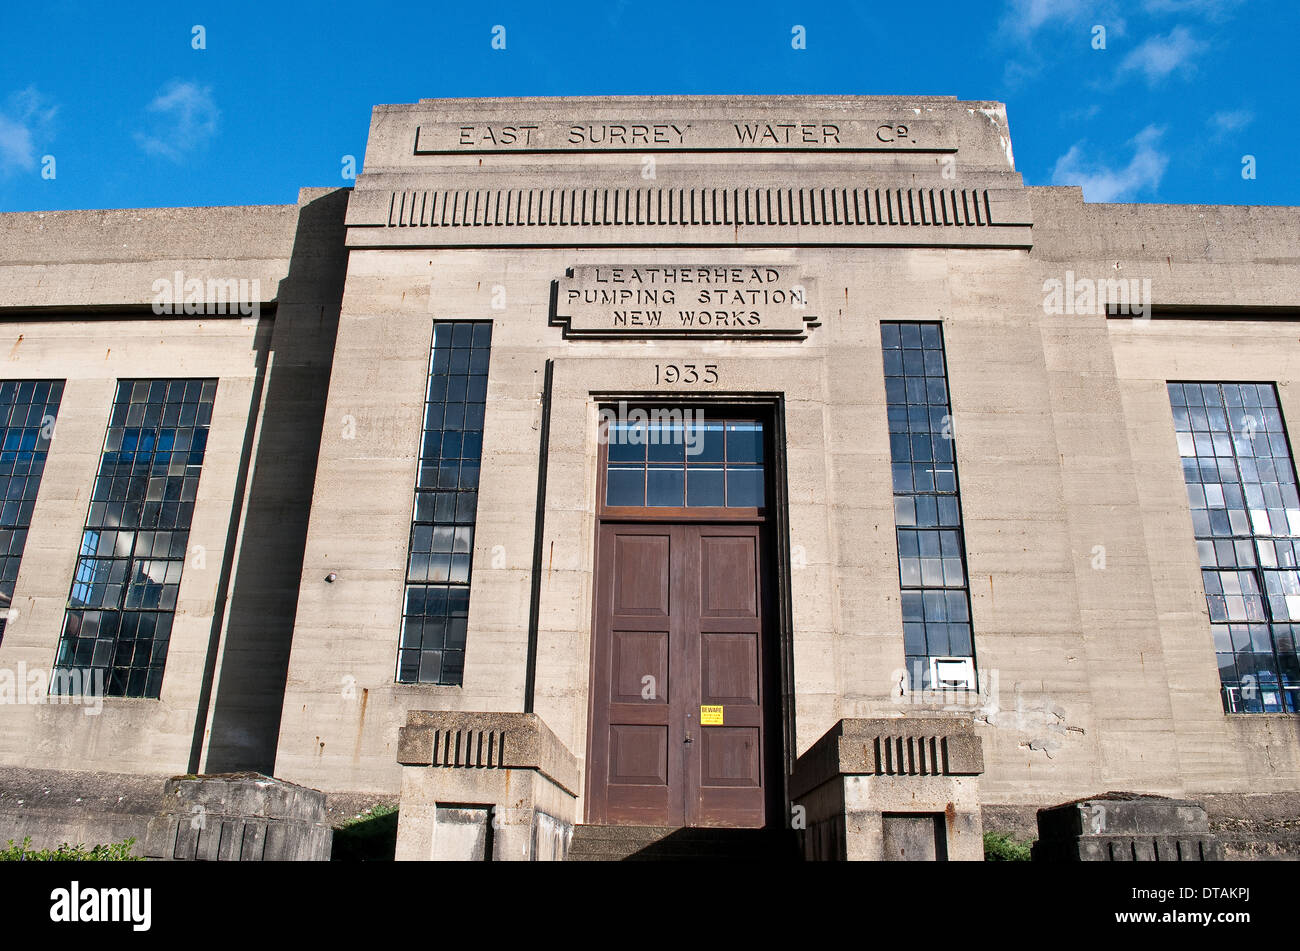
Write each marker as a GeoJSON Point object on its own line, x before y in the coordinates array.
{"type": "Point", "coordinates": [484, 787]}
{"type": "Point", "coordinates": [239, 817]}
{"type": "Point", "coordinates": [891, 789]}
{"type": "Point", "coordinates": [1126, 827]}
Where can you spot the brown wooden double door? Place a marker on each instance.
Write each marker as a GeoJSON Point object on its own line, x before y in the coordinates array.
{"type": "Point", "coordinates": [680, 625]}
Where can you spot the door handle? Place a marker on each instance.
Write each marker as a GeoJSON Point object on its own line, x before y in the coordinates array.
{"type": "Point", "coordinates": [689, 739]}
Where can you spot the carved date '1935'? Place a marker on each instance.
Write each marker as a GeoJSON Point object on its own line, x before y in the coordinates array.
{"type": "Point", "coordinates": [687, 373]}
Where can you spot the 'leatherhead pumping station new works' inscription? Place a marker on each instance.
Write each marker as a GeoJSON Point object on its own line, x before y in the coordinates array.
{"type": "Point", "coordinates": [683, 300]}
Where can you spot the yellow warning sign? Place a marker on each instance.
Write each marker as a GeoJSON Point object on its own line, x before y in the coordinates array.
{"type": "Point", "coordinates": [710, 716]}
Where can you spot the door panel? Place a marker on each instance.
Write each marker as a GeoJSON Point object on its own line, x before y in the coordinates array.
{"type": "Point", "coordinates": [637, 655]}
{"type": "Point", "coordinates": [728, 575]}
{"type": "Point", "coordinates": [729, 786]}
{"type": "Point", "coordinates": [641, 579]}
{"type": "Point", "coordinates": [730, 668]}
{"type": "Point", "coordinates": [679, 624]}
{"type": "Point", "coordinates": [731, 757]}
{"type": "Point", "coordinates": [636, 754]}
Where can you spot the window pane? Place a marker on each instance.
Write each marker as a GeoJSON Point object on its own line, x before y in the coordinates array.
{"type": "Point", "coordinates": [667, 443]}
{"type": "Point", "coordinates": [706, 443]}
{"type": "Point", "coordinates": [27, 416]}
{"type": "Point", "coordinates": [704, 486]}
{"type": "Point", "coordinates": [432, 639]}
{"type": "Point", "coordinates": [1242, 525]}
{"type": "Point", "coordinates": [745, 487]}
{"type": "Point", "coordinates": [930, 562]}
{"type": "Point", "coordinates": [127, 578]}
{"type": "Point", "coordinates": [665, 486]}
{"type": "Point", "coordinates": [625, 485]}
{"type": "Point", "coordinates": [744, 442]}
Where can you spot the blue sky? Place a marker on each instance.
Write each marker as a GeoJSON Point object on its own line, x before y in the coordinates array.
{"type": "Point", "coordinates": [134, 116]}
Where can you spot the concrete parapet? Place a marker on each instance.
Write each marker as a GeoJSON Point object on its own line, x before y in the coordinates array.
{"type": "Point", "coordinates": [484, 787]}
{"type": "Point", "coordinates": [1126, 827]}
{"type": "Point", "coordinates": [239, 817]}
{"type": "Point", "coordinates": [895, 788]}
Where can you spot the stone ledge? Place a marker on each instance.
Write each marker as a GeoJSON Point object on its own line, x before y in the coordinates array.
{"type": "Point", "coordinates": [890, 747]}
{"type": "Point", "coordinates": [1123, 814]}
{"type": "Point", "coordinates": [467, 740]}
{"type": "Point", "coordinates": [1126, 827]}
{"type": "Point", "coordinates": [891, 788]}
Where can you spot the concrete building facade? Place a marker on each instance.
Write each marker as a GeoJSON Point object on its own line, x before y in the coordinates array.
{"type": "Point", "coordinates": [944, 484]}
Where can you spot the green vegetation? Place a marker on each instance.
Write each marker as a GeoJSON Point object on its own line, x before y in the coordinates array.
{"type": "Point", "coordinates": [117, 852]}
{"type": "Point", "coordinates": [1000, 847]}
{"type": "Point", "coordinates": [369, 836]}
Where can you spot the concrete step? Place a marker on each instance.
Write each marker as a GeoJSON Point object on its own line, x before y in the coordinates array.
{"type": "Point", "coordinates": [666, 843]}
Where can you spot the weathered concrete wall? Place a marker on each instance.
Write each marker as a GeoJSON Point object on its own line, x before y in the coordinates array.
{"type": "Point", "coordinates": [110, 259]}
{"type": "Point", "coordinates": [848, 629]}
{"type": "Point", "coordinates": [58, 271]}
{"type": "Point", "coordinates": [1145, 611]}
{"type": "Point", "coordinates": [54, 806]}
{"type": "Point", "coordinates": [1087, 684]}
{"type": "Point", "coordinates": [1247, 825]}
{"type": "Point", "coordinates": [1097, 678]}
{"type": "Point", "coordinates": [244, 722]}
{"type": "Point", "coordinates": [130, 735]}
{"type": "Point", "coordinates": [1256, 825]}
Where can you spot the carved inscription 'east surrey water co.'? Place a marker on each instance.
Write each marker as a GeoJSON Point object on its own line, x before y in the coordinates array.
{"type": "Point", "coordinates": [637, 300]}
{"type": "Point", "coordinates": [883, 134]}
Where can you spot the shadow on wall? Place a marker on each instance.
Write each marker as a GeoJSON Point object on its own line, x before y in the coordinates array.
{"type": "Point", "coordinates": [246, 708]}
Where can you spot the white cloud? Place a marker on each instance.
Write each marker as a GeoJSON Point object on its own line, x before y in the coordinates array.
{"type": "Point", "coordinates": [1071, 25]}
{"type": "Point", "coordinates": [1082, 114]}
{"type": "Point", "coordinates": [1101, 183]}
{"type": "Point", "coordinates": [27, 116]}
{"type": "Point", "coordinates": [1210, 9]}
{"type": "Point", "coordinates": [1225, 123]}
{"type": "Point", "coordinates": [1024, 18]}
{"type": "Point", "coordinates": [15, 145]}
{"type": "Point", "coordinates": [1027, 16]}
{"type": "Point", "coordinates": [184, 118]}
{"type": "Point", "coordinates": [1162, 54]}
{"type": "Point", "coordinates": [1016, 73]}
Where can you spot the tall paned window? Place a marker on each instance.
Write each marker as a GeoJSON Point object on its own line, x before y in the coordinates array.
{"type": "Point", "coordinates": [1246, 517]}
{"type": "Point", "coordinates": [119, 616]}
{"type": "Point", "coordinates": [28, 410]}
{"type": "Point", "coordinates": [927, 509]}
{"type": "Point", "coordinates": [436, 611]}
